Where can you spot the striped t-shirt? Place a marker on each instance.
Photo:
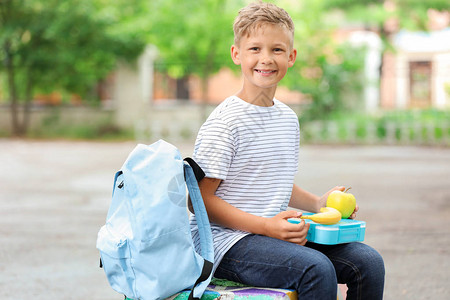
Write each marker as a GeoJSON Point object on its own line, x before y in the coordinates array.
{"type": "Point", "coordinates": [254, 151]}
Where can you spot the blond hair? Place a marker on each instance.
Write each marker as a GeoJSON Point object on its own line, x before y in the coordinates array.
{"type": "Point", "coordinates": [257, 14]}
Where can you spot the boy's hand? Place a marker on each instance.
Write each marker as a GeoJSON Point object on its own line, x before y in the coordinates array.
{"type": "Point", "coordinates": [323, 199]}
{"type": "Point", "coordinates": [353, 215]}
{"type": "Point", "coordinates": [278, 227]}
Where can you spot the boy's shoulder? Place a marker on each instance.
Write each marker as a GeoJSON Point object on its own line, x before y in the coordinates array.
{"type": "Point", "coordinates": [226, 109]}
{"type": "Point", "coordinates": [229, 103]}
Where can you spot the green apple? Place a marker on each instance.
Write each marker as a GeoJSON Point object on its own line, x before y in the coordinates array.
{"type": "Point", "coordinates": [343, 202]}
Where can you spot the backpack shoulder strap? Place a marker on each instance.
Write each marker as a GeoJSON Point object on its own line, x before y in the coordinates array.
{"type": "Point", "coordinates": [204, 230]}
{"type": "Point", "coordinates": [198, 172]}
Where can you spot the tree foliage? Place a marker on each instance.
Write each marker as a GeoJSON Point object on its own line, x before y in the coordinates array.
{"type": "Point", "coordinates": [326, 72]}
{"type": "Point", "coordinates": [193, 37]}
{"type": "Point", "coordinates": [57, 45]}
{"type": "Point", "coordinates": [410, 14]}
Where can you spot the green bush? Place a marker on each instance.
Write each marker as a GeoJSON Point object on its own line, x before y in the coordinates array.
{"type": "Point", "coordinates": [53, 128]}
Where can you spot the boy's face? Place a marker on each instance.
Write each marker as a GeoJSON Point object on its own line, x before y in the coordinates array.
{"type": "Point", "coordinates": [264, 55]}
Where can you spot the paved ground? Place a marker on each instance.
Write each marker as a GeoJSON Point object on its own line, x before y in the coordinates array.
{"type": "Point", "coordinates": [54, 197]}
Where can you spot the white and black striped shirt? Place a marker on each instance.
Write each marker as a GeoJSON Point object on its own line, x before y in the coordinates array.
{"type": "Point", "coordinates": [254, 151]}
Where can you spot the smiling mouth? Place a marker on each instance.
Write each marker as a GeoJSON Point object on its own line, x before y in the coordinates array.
{"type": "Point", "coordinates": [265, 72]}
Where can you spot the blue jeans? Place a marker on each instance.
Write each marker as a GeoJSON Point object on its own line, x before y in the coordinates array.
{"type": "Point", "coordinates": [312, 270]}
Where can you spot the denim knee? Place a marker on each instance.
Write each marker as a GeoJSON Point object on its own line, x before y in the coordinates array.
{"type": "Point", "coordinates": [370, 265]}
{"type": "Point", "coordinates": [366, 281]}
{"type": "Point", "coordinates": [319, 279]}
{"type": "Point", "coordinates": [373, 267]}
{"type": "Point", "coordinates": [323, 269]}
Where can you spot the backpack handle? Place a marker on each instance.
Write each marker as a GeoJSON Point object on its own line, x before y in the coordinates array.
{"type": "Point", "coordinates": [204, 230]}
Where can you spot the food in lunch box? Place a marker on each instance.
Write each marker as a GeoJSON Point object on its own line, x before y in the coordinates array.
{"type": "Point", "coordinates": [344, 202]}
{"type": "Point", "coordinates": [327, 216]}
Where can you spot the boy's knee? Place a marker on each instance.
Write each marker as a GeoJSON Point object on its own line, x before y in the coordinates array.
{"type": "Point", "coordinates": [370, 265]}
{"type": "Point", "coordinates": [375, 265]}
{"type": "Point", "coordinates": [322, 269]}
{"type": "Point", "coordinates": [365, 274]}
{"type": "Point", "coordinates": [319, 280]}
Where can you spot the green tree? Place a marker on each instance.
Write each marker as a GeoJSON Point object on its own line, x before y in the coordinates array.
{"type": "Point", "coordinates": [410, 14]}
{"type": "Point", "coordinates": [57, 45]}
{"type": "Point", "coordinates": [326, 72]}
{"type": "Point", "coordinates": [193, 37]}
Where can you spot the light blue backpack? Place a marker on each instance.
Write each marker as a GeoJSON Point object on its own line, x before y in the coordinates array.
{"type": "Point", "coordinates": [146, 246]}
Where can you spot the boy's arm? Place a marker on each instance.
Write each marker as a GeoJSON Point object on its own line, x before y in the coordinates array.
{"type": "Point", "coordinates": [304, 200]}
{"type": "Point", "coordinates": [225, 214]}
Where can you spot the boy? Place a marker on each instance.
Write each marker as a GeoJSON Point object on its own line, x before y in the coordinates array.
{"type": "Point", "coordinates": [248, 149]}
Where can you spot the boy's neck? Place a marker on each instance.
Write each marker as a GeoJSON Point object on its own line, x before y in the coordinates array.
{"type": "Point", "coordinates": [258, 97]}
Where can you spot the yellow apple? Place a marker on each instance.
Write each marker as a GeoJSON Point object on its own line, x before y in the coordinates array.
{"type": "Point", "coordinates": [344, 202]}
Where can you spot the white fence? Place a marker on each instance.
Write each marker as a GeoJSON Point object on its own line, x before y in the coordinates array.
{"type": "Point", "coordinates": [372, 132]}
{"type": "Point", "coordinates": [182, 121]}
{"type": "Point", "coordinates": [389, 133]}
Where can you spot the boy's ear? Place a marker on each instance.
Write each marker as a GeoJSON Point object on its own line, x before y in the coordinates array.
{"type": "Point", "coordinates": [235, 55]}
{"type": "Point", "coordinates": [292, 57]}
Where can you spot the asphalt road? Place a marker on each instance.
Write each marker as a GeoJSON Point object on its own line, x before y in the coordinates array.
{"type": "Point", "coordinates": [54, 197]}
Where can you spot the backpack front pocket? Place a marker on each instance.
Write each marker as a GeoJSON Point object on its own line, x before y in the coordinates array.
{"type": "Point", "coordinates": [116, 260]}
